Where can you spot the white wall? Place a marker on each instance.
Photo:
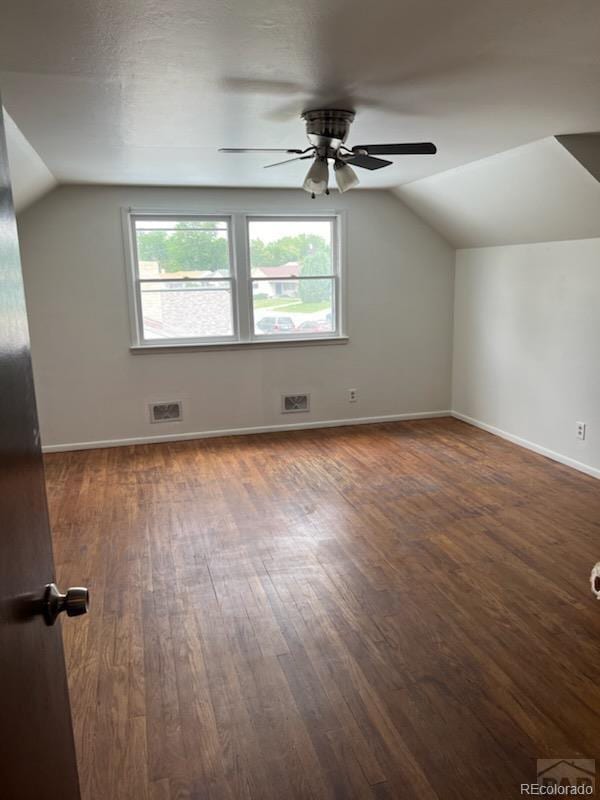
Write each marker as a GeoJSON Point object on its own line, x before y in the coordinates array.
{"type": "Point", "coordinates": [527, 343]}
{"type": "Point", "coordinates": [92, 389]}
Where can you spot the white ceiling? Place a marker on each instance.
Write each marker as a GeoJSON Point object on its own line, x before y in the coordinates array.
{"type": "Point", "coordinates": [534, 193]}
{"type": "Point", "coordinates": [145, 91]}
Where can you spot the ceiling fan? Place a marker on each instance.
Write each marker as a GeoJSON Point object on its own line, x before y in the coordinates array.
{"type": "Point", "coordinates": [327, 131]}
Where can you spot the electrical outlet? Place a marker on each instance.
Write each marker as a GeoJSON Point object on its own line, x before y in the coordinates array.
{"type": "Point", "coordinates": [352, 395]}
{"type": "Point", "coordinates": [580, 430]}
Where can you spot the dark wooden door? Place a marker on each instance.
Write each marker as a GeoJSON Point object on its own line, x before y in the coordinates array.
{"type": "Point", "coordinates": [37, 754]}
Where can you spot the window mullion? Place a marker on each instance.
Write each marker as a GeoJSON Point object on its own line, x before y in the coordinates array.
{"type": "Point", "coordinates": [241, 258]}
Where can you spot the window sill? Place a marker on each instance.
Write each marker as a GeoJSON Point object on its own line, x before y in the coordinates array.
{"type": "Point", "coordinates": [139, 349]}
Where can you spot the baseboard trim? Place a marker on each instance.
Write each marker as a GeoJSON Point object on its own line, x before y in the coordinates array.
{"type": "Point", "coordinates": [536, 448]}
{"type": "Point", "coordinates": [297, 426]}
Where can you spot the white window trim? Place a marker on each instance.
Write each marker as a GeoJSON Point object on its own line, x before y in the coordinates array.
{"type": "Point", "coordinates": [240, 280]}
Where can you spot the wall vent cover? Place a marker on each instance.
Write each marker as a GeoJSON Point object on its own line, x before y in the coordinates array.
{"type": "Point", "coordinates": [166, 412]}
{"type": "Point", "coordinates": [291, 403]}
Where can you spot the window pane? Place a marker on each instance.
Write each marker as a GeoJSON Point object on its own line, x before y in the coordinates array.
{"type": "Point", "coordinates": [186, 309]}
{"type": "Point", "coordinates": [293, 308]}
{"type": "Point", "coordinates": [194, 248]}
{"type": "Point", "coordinates": [289, 248]}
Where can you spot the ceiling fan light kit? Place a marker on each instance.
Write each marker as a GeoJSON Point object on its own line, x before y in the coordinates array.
{"type": "Point", "coordinates": [317, 177]}
{"type": "Point", "coordinates": [327, 131]}
{"type": "Point", "coordinates": [345, 176]}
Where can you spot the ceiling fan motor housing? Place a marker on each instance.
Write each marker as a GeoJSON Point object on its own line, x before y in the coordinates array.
{"type": "Point", "coordinates": [328, 129]}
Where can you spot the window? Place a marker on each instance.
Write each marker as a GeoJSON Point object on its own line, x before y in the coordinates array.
{"type": "Point", "coordinates": [293, 270]}
{"type": "Point", "coordinates": [184, 279]}
{"type": "Point", "coordinates": [233, 278]}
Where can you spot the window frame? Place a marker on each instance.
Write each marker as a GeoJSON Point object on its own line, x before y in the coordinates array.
{"type": "Point", "coordinates": [334, 276]}
{"type": "Point", "coordinates": [135, 281]}
{"type": "Point", "coordinates": [240, 281]}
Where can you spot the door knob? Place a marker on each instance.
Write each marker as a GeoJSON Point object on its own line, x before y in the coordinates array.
{"type": "Point", "coordinates": [76, 601]}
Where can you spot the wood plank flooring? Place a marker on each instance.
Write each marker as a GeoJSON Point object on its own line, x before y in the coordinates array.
{"type": "Point", "coordinates": [389, 611]}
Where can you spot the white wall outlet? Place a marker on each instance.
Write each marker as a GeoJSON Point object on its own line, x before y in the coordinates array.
{"type": "Point", "coordinates": [352, 395]}
{"type": "Point", "coordinates": [580, 430]}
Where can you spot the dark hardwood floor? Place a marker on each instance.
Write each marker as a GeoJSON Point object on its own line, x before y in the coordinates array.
{"type": "Point", "coordinates": [387, 611]}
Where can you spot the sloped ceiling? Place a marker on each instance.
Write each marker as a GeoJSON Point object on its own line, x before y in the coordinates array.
{"type": "Point", "coordinates": [535, 193]}
{"type": "Point", "coordinates": [30, 177]}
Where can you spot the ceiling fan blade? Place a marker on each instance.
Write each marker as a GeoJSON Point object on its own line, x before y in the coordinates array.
{"type": "Point", "coordinates": [406, 149]}
{"type": "Point", "coordinates": [288, 161]}
{"type": "Point", "coordinates": [259, 150]}
{"type": "Point", "coordinates": [367, 162]}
